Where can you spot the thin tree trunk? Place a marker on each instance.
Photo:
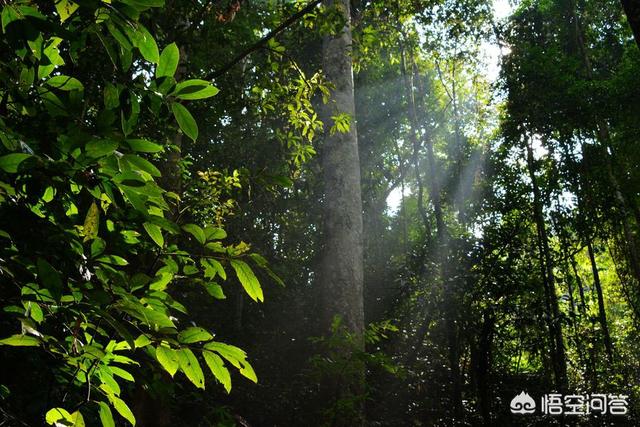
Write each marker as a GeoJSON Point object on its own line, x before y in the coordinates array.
{"type": "Point", "coordinates": [415, 142]}
{"type": "Point", "coordinates": [483, 366]}
{"type": "Point", "coordinates": [403, 208]}
{"type": "Point", "coordinates": [434, 179]}
{"type": "Point", "coordinates": [583, 303]}
{"type": "Point", "coordinates": [441, 233]}
{"type": "Point", "coordinates": [546, 267]}
{"type": "Point", "coordinates": [590, 361]}
{"type": "Point", "coordinates": [602, 314]}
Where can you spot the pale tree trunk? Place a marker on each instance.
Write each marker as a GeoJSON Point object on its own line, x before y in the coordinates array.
{"type": "Point", "coordinates": [341, 270]}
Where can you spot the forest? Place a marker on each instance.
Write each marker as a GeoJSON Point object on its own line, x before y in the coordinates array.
{"type": "Point", "coordinates": [319, 212]}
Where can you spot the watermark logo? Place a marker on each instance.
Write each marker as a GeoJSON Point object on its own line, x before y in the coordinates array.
{"type": "Point", "coordinates": [523, 404]}
{"type": "Point", "coordinates": [572, 404]}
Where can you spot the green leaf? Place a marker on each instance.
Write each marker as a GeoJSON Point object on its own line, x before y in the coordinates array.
{"type": "Point", "coordinates": [144, 146]}
{"type": "Point", "coordinates": [213, 267]}
{"type": "Point", "coordinates": [165, 224]}
{"type": "Point", "coordinates": [185, 120]}
{"type": "Point", "coordinates": [169, 59]}
{"type": "Point", "coordinates": [194, 334]}
{"type": "Point", "coordinates": [154, 232]}
{"type": "Point", "coordinates": [53, 104]}
{"type": "Point", "coordinates": [236, 356]}
{"type": "Point", "coordinates": [10, 162]}
{"type": "Point", "coordinates": [194, 89]}
{"type": "Point", "coordinates": [106, 417]}
{"type": "Point", "coordinates": [261, 262]}
{"type": "Point", "coordinates": [9, 15]}
{"type": "Point", "coordinates": [145, 42]}
{"type": "Point", "coordinates": [49, 277]}
{"type": "Point", "coordinates": [100, 148]}
{"type": "Point", "coordinates": [97, 247]}
{"type": "Point", "coordinates": [48, 195]}
{"type": "Point", "coordinates": [168, 359]}
{"type": "Point", "coordinates": [129, 123]}
{"type": "Point", "coordinates": [121, 373]}
{"type": "Point", "coordinates": [195, 231]}
{"type": "Point", "coordinates": [20, 341]}
{"type": "Point", "coordinates": [248, 372]}
{"type": "Point", "coordinates": [111, 96]}
{"type": "Point", "coordinates": [214, 290]}
{"type": "Point", "coordinates": [214, 233]}
{"type": "Point", "coordinates": [35, 311]}
{"type": "Point", "coordinates": [217, 368]}
{"type": "Point", "coordinates": [91, 223]}
{"type": "Point", "coordinates": [113, 259]}
{"type": "Point", "coordinates": [107, 381]}
{"type": "Point", "coordinates": [142, 341]}
{"type": "Point", "coordinates": [161, 281]}
{"type": "Point", "coordinates": [118, 326]}
{"type": "Point", "coordinates": [26, 78]}
{"type": "Point", "coordinates": [140, 163]}
{"type": "Point", "coordinates": [248, 280]}
{"type": "Point", "coordinates": [123, 409]}
{"type": "Point", "coordinates": [65, 83]}
{"type": "Point", "coordinates": [65, 9]}
{"type": "Point", "coordinates": [78, 419]}
{"type": "Point", "coordinates": [58, 415]}
{"type": "Point", "coordinates": [191, 368]}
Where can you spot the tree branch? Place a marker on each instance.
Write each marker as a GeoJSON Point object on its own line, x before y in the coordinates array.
{"type": "Point", "coordinates": [283, 26]}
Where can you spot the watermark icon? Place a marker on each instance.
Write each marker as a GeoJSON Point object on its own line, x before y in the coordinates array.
{"type": "Point", "coordinates": [523, 404]}
{"type": "Point", "coordinates": [572, 404]}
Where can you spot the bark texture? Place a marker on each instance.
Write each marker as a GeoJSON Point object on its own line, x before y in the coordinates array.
{"type": "Point", "coordinates": [342, 267]}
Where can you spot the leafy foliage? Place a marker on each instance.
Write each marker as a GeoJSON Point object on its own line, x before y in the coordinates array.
{"type": "Point", "coordinates": [91, 251]}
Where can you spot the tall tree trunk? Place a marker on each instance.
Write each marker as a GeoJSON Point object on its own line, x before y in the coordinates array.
{"type": "Point", "coordinates": [632, 10]}
{"type": "Point", "coordinates": [341, 271]}
{"type": "Point", "coordinates": [548, 280]}
{"type": "Point", "coordinates": [602, 314]}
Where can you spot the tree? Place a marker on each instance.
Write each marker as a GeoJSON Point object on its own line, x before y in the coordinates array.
{"type": "Point", "coordinates": [341, 271]}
